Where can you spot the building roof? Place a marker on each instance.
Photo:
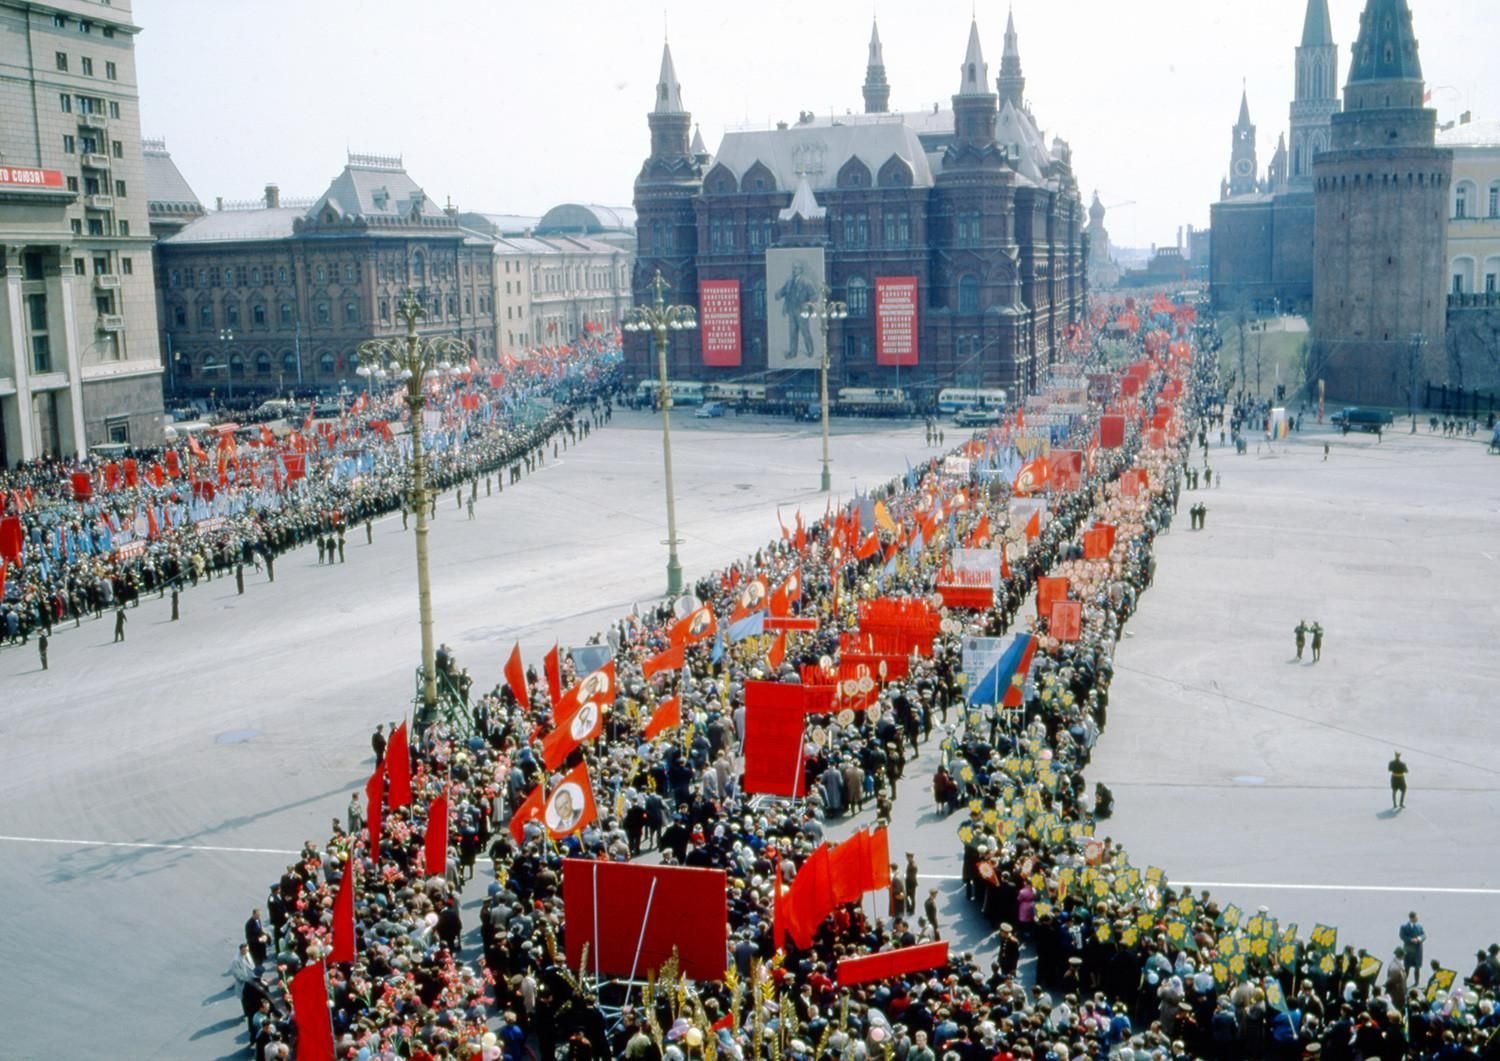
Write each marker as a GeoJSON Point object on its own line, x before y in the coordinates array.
{"type": "Point", "coordinates": [588, 218]}
{"type": "Point", "coordinates": [374, 186]}
{"type": "Point", "coordinates": [1483, 133]}
{"type": "Point", "coordinates": [533, 246]}
{"type": "Point", "coordinates": [1317, 28]}
{"type": "Point", "coordinates": [668, 90]}
{"type": "Point", "coordinates": [804, 204]}
{"type": "Point", "coordinates": [1018, 134]}
{"type": "Point", "coordinates": [974, 78]}
{"type": "Point", "coordinates": [236, 226]}
{"type": "Point", "coordinates": [165, 183]}
{"type": "Point", "coordinates": [819, 151]}
{"type": "Point", "coordinates": [499, 224]}
{"type": "Point", "coordinates": [1387, 46]}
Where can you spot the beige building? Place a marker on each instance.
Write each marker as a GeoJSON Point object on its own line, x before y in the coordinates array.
{"type": "Point", "coordinates": [79, 362]}
{"type": "Point", "coordinates": [1474, 209]}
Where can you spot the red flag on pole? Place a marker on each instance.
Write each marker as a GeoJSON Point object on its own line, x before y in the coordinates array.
{"type": "Point", "coordinates": [374, 790]}
{"type": "Point", "coordinates": [515, 677]}
{"type": "Point", "coordinates": [778, 652]}
{"type": "Point", "coordinates": [880, 860]}
{"type": "Point", "coordinates": [435, 842]}
{"type": "Point", "coordinates": [530, 810]}
{"type": "Point", "coordinates": [571, 804]}
{"type": "Point", "coordinates": [309, 992]}
{"type": "Point", "coordinates": [671, 659]}
{"type": "Point", "coordinates": [343, 918]}
{"type": "Point", "coordinates": [398, 769]}
{"type": "Point", "coordinates": [668, 716]}
{"type": "Point", "coordinates": [553, 667]}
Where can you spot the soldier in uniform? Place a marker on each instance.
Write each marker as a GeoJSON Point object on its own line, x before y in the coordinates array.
{"type": "Point", "coordinates": [1317, 641]}
{"type": "Point", "coordinates": [1301, 633]}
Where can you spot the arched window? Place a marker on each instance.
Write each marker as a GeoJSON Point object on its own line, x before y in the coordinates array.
{"type": "Point", "coordinates": [289, 362]}
{"type": "Point", "coordinates": [236, 366]}
{"type": "Point", "coordinates": [858, 293]}
{"type": "Point", "coordinates": [968, 294]}
{"type": "Point", "coordinates": [262, 364]}
{"type": "Point", "coordinates": [255, 276]}
{"type": "Point", "coordinates": [1494, 203]}
{"type": "Point", "coordinates": [326, 363]}
{"type": "Point", "coordinates": [418, 266]}
{"type": "Point", "coordinates": [205, 315]}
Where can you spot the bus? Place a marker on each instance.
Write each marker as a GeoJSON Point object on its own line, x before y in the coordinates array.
{"type": "Point", "coordinates": [873, 401]}
{"type": "Point", "coordinates": [683, 393]}
{"type": "Point", "coordinates": [952, 399]}
{"type": "Point", "coordinates": [742, 395]}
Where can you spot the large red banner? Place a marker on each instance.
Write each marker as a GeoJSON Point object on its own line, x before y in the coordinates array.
{"type": "Point", "coordinates": [886, 964]}
{"type": "Point", "coordinates": [774, 725]}
{"type": "Point", "coordinates": [719, 321]}
{"type": "Point", "coordinates": [27, 177]}
{"type": "Point", "coordinates": [1066, 621]}
{"type": "Point", "coordinates": [632, 917]}
{"type": "Point", "coordinates": [1111, 431]}
{"type": "Point", "coordinates": [896, 320]}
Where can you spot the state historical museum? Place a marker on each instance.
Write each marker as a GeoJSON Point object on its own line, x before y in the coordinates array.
{"type": "Point", "coordinates": [955, 237]}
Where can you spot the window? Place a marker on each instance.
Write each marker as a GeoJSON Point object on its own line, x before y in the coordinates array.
{"type": "Point", "coordinates": [351, 312]}
{"type": "Point", "coordinates": [118, 428]}
{"type": "Point", "coordinates": [101, 266]}
{"type": "Point", "coordinates": [1461, 202]}
{"type": "Point", "coordinates": [281, 275]}
{"type": "Point", "coordinates": [86, 65]}
{"type": "Point", "coordinates": [205, 315]}
{"type": "Point", "coordinates": [36, 312]}
{"type": "Point", "coordinates": [1489, 283]}
{"type": "Point", "coordinates": [1458, 283]}
{"type": "Point", "coordinates": [65, 102]}
{"type": "Point", "coordinates": [77, 226]}
{"type": "Point", "coordinates": [385, 309]}
{"type": "Point", "coordinates": [88, 144]}
{"type": "Point", "coordinates": [110, 71]}
{"type": "Point", "coordinates": [80, 267]}
{"type": "Point", "coordinates": [236, 366]}
{"type": "Point", "coordinates": [859, 297]}
{"type": "Point", "coordinates": [174, 278]}
{"type": "Point", "coordinates": [1494, 210]}
{"type": "Point", "coordinates": [202, 277]}
{"type": "Point", "coordinates": [418, 267]}
{"type": "Point", "coordinates": [127, 266]}
{"type": "Point", "coordinates": [348, 273]}
{"type": "Point", "coordinates": [258, 313]}
{"type": "Point", "coordinates": [91, 185]}
{"type": "Point", "coordinates": [72, 184]}
{"type": "Point", "coordinates": [124, 228]}
{"type": "Point", "coordinates": [322, 312]}
{"type": "Point", "coordinates": [104, 304]}
{"type": "Point", "coordinates": [60, 21]}
{"type": "Point", "coordinates": [120, 189]}
{"type": "Point", "coordinates": [41, 354]}
{"type": "Point", "coordinates": [286, 313]}
{"type": "Point", "coordinates": [114, 108]}
{"type": "Point", "coordinates": [897, 228]}
{"type": "Point", "coordinates": [255, 277]}
{"type": "Point", "coordinates": [232, 314]}
{"type": "Point", "coordinates": [96, 226]}
{"type": "Point", "coordinates": [968, 295]}
{"type": "Point", "coordinates": [109, 32]}
{"type": "Point", "coordinates": [179, 316]}
{"type": "Point", "coordinates": [452, 305]}
{"type": "Point", "coordinates": [70, 145]}
{"type": "Point", "coordinates": [326, 363]}
{"type": "Point", "coordinates": [62, 61]}
{"type": "Point", "coordinates": [85, 26]}
{"type": "Point", "coordinates": [117, 148]}
{"type": "Point", "coordinates": [758, 300]}
{"type": "Point", "coordinates": [229, 276]}
{"type": "Point", "coordinates": [262, 364]}
{"type": "Point", "coordinates": [289, 362]}
{"type": "Point", "coordinates": [322, 274]}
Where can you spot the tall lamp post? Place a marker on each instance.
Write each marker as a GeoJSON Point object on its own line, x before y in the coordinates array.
{"type": "Point", "coordinates": [658, 319]}
{"type": "Point", "coordinates": [413, 359]}
{"type": "Point", "coordinates": [825, 313]}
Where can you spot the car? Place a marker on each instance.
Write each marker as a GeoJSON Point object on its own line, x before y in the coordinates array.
{"type": "Point", "coordinates": [975, 416]}
{"type": "Point", "coordinates": [710, 411]}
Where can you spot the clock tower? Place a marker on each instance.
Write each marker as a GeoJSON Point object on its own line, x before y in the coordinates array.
{"type": "Point", "coordinates": [1242, 168]}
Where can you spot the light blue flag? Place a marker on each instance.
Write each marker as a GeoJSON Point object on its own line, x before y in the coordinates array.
{"type": "Point", "coordinates": [718, 649]}
{"type": "Point", "coordinates": [749, 626]}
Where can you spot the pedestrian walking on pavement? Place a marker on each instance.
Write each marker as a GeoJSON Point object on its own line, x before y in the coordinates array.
{"type": "Point", "coordinates": [1301, 634]}
{"type": "Point", "coordinates": [174, 603]}
{"type": "Point", "coordinates": [239, 579]}
{"type": "Point", "coordinates": [1413, 935]}
{"type": "Point", "coordinates": [471, 508]}
{"type": "Point", "coordinates": [1397, 770]}
{"type": "Point", "coordinates": [120, 624]}
{"type": "Point", "coordinates": [41, 648]}
{"type": "Point", "coordinates": [369, 533]}
{"type": "Point", "coordinates": [1317, 641]}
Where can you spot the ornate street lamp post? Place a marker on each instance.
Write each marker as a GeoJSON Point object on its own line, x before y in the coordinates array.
{"type": "Point", "coordinates": [825, 313]}
{"type": "Point", "coordinates": [657, 319]}
{"type": "Point", "coordinates": [412, 359]}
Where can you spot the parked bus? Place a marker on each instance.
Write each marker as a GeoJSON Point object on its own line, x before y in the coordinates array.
{"type": "Point", "coordinates": [873, 401]}
{"type": "Point", "coordinates": [952, 399]}
{"type": "Point", "coordinates": [683, 393]}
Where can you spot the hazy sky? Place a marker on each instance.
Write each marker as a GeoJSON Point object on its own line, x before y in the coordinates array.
{"type": "Point", "coordinates": [512, 106]}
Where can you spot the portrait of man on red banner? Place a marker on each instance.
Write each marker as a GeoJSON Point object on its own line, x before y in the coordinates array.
{"type": "Point", "coordinates": [896, 320]}
{"type": "Point", "coordinates": [1066, 620]}
{"type": "Point", "coordinates": [719, 322]}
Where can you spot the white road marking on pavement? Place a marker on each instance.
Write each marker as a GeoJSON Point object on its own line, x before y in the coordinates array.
{"type": "Point", "coordinates": [164, 847]}
{"type": "Point", "coordinates": [1292, 887]}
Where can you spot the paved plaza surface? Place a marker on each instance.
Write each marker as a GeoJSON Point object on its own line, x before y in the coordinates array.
{"type": "Point", "coordinates": [1236, 766]}
{"type": "Point", "coordinates": [219, 744]}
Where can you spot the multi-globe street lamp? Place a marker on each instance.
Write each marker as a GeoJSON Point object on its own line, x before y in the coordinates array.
{"type": "Point", "coordinates": [825, 312]}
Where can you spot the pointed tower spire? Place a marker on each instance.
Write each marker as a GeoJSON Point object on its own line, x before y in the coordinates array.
{"type": "Point", "coordinates": [877, 90]}
{"type": "Point", "coordinates": [1244, 119]}
{"type": "Point", "coordinates": [976, 72]}
{"type": "Point", "coordinates": [1387, 45]}
{"type": "Point", "coordinates": [1012, 84]}
{"type": "Point", "coordinates": [1317, 27]}
{"type": "Point", "coordinates": [668, 91]}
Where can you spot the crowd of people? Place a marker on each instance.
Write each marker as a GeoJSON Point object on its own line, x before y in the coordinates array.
{"type": "Point", "coordinates": [73, 554]}
{"type": "Point", "coordinates": [1126, 966]}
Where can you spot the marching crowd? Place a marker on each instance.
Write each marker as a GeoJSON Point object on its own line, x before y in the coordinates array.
{"type": "Point", "coordinates": [1126, 967]}
{"type": "Point", "coordinates": [72, 567]}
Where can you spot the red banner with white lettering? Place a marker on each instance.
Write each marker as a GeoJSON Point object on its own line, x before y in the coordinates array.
{"type": "Point", "coordinates": [896, 320]}
{"type": "Point", "coordinates": [719, 321]}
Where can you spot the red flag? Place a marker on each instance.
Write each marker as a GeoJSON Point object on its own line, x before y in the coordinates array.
{"type": "Point", "coordinates": [374, 789]}
{"type": "Point", "coordinates": [530, 810]}
{"type": "Point", "coordinates": [598, 687]}
{"type": "Point", "coordinates": [884, 965]}
{"type": "Point", "coordinates": [554, 674]}
{"type": "Point", "coordinates": [571, 805]}
{"type": "Point", "coordinates": [1034, 525]}
{"type": "Point", "coordinates": [811, 899]}
{"type": "Point", "coordinates": [195, 449]}
{"type": "Point", "coordinates": [697, 626]}
{"type": "Point", "coordinates": [1032, 477]}
{"type": "Point", "coordinates": [309, 992]}
{"type": "Point", "coordinates": [398, 768]}
{"type": "Point", "coordinates": [671, 659]}
{"type": "Point", "coordinates": [435, 841]}
{"type": "Point", "coordinates": [849, 868]}
{"type": "Point", "coordinates": [515, 677]}
{"type": "Point", "coordinates": [668, 715]}
{"type": "Point", "coordinates": [869, 547]}
{"type": "Point", "coordinates": [343, 918]}
{"type": "Point", "coordinates": [880, 860]}
{"type": "Point", "coordinates": [584, 724]}
{"type": "Point", "coordinates": [1004, 563]}
{"type": "Point", "coordinates": [778, 652]}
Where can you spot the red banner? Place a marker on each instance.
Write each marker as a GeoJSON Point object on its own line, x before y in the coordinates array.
{"type": "Point", "coordinates": [632, 917]}
{"type": "Point", "coordinates": [790, 622]}
{"type": "Point", "coordinates": [1095, 544]}
{"type": "Point", "coordinates": [1066, 620]}
{"type": "Point", "coordinates": [775, 717]}
{"type": "Point", "coordinates": [896, 320]}
{"type": "Point", "coordinates": [26, 177]}
{"type": "Point", "coordinates": [887, 964]}
{"type": "Point", "coordinates": [1111, 431]}
{"type": "Point", "coordinates": [1047, 591]}
{"type": "Point", "coordinates": [719, 321]}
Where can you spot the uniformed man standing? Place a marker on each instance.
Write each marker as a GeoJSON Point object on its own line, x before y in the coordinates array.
{"type": "Point", "coordinates": [1397, 770]}
{"type": "Point", "coordinates": [120, 624]}
{"type": "Point", "coordinates": [1317, 641]}
{"type": "Point", "coordinates": [1301, 633]}
{"type": "Point", "coordinates": [41, 648]}
{"type": "Point", "coordinates": [239, 578]}
{"type": "Point", "coordinates": [174, 603]}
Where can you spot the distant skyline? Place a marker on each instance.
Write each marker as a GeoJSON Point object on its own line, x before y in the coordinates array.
{"type": "Point", "coordinates": [511, 108]}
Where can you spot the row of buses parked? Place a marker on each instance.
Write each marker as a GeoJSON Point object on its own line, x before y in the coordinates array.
{"type": "Point", "coordinates": [803, 403]}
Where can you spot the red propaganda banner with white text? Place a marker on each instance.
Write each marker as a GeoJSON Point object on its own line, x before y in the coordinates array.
{"type": "Point", "coordinates": [633, 917]}
{"type": "Point", "coordinates": [719, 321]}
{"type": "Point", "coordinates": [896, 320]}
{"type": "Point", "coordinates": [27, 177]}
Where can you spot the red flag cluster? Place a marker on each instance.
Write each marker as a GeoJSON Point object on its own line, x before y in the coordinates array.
{"type": "Point", "coordinates": [830, 878]}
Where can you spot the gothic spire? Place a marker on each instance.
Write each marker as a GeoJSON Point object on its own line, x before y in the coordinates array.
{"type": "Point", "coordinates": [1012, 84]}
{"type": "Point", "coordinates": [976, 73]}
{"type": "Point", "coordinates": [1317, 28]}
{"type": "Point", "coordinates": [877, 90]}
{"type": "Point", "coordinates": [668, 91]}
{"type": "Point", "coordinates": [1244, 120]}
{"type": "Point", "coordinates": [1387, 46]}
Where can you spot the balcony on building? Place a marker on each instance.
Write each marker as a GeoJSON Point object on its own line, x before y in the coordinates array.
{"type": "Point", "coordinates": [91, 121]}
{"type": "Point", "coordinates": [107, 281]}
{"type": "Point", "coordinates": [96, 161]}
{"type": "Point", "coordinates": [99, 202]}
{"type": "Point", "coordinates": [111, 322]}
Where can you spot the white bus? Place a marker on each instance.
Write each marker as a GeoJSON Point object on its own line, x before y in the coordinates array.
{"type": "Point", "coordinates": [683, 393]}
{"type": "Point", "coordinates": [952, 399]}
{"type": "Point", "coordinates": [736, 393]}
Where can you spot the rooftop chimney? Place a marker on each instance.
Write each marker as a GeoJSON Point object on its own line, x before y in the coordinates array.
{"type": "Point", "coordinates": [273, 197]}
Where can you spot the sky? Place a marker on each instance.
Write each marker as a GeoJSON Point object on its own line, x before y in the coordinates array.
{"type": "Point", "coordinates": [506, 106]}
